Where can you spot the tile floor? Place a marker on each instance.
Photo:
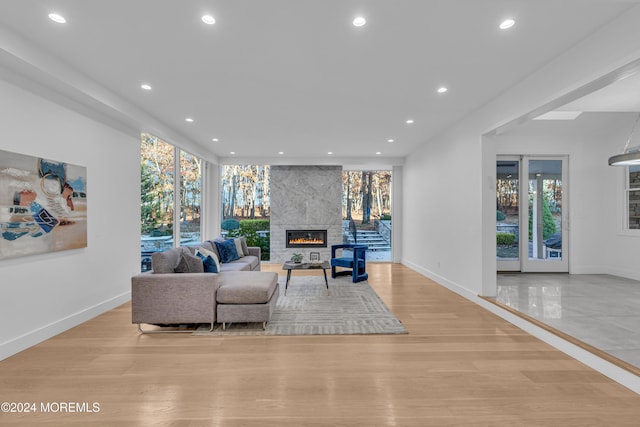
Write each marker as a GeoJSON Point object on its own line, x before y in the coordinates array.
{"type": "Point", "coordinates": [598, 309]}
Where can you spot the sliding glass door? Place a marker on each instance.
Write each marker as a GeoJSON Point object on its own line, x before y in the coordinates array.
{"type": "Point", "coordinates": [533, 189]}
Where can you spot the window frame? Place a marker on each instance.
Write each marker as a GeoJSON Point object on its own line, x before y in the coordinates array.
{"type": "Point", "coordinates": [176, 204]}
{"type": "Point", "coordinates": [628, 190]}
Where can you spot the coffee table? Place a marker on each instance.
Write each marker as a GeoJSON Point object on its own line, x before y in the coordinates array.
{"type": "Point", "coordinates": [290, 266]}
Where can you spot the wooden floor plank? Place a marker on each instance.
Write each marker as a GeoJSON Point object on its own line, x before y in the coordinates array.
{"type": "Point", "coordinates": [460, 365]}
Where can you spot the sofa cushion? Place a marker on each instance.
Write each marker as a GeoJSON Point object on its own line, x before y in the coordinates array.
{"type": "Point", "coordinates": [251, 262]}
{"type": "Point", "coordinates": [227, 251]}
{"type": "Point", "coordinates": [245, 248]}
{"type": "Point", "coordinates": [190, 248]}
{"type": "Point", "coordinates": [246, 287]}
{"type": "Point", "coordinates": [235, 266]}
{"type": "Point", "coordinates": [213, 255]}
{"type": "Point", "coordinates": [208, 263]}
{"type": "Point", "coordinates": [189, 264]}
{"type": "Point", "coordinates": [211, 245]}
{"type": "Point", "coordinates": [238, 243]}
{"type": "Point", "coordinates": [165, 262]}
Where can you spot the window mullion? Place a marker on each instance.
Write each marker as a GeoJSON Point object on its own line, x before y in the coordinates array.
{"type": "Point", "coordinates": [176, 196]}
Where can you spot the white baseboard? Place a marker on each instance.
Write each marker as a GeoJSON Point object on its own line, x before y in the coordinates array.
{"type": "Point", "coordinates": [452, 286]}
{"type": "Point", "coordinates": [22, 342]}
{"type": "Point", "coordinates": [617, 374]}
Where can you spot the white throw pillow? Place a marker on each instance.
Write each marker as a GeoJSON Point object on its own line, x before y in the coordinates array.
{"type": "Point", "coordinates": [207, 252]}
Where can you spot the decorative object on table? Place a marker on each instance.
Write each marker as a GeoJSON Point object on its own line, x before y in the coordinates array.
{"type": "Point", "coordinates": [297, 258]}
{"type": "Point", "coordinates": [43, 205]}
{"type": "Point", "coordinates": [314, 258]}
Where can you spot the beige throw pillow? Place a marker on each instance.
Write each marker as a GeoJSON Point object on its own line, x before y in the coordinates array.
{"type": "Point", "coordinates": [238, 243]}
{"type": "Point", "coordinates": [245, 249]}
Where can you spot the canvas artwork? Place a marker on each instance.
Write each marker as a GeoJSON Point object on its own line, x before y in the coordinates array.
{"type": "Point", "coordinates": [43, 205]}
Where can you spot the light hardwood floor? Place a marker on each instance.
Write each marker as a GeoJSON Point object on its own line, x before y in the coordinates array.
{"type": "Point", "coordinates": [459, 366]}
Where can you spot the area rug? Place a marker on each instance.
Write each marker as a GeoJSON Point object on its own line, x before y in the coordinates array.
{"type": "Point", "coordinates": [349, 309]}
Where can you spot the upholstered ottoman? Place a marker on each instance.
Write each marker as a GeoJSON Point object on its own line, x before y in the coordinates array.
{"type": "Point", "coordinates": [246, 296]}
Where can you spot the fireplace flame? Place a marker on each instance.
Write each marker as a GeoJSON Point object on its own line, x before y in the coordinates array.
{"type": "Point", "coordinates": [306, 241]}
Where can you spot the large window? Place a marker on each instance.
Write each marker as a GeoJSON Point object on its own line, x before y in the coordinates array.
{"type": "Point", "coordinates": [162, 196]}
{"type": "Point", "coordinates": [633, 198]}
{"type": "Point", "coordinates": [366, 211]}
{"type": "Point", "coordinates": [190, 198]}
{"type": "Point", "coordinates": [245, 204]}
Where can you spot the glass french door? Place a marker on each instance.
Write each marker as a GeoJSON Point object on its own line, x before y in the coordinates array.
{"type": "Point", "coordinates": [508, 213]}
{"type": "Point", "coordinates": [533, 189]}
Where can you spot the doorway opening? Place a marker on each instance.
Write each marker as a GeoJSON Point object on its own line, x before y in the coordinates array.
{"type": "Point", "coordinates": [531, 214]}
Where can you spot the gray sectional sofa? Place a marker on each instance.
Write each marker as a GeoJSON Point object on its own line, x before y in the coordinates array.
{"type": "Point", "coordinates": [168, 261]}
{"type": "Point", "coordinates": [178, 291]}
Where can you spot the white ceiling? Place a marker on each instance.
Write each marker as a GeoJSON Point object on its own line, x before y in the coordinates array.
{"type": "Point", "coordinates": [295, 75]}
{"type": "Point", "coordinates": [622, 96]}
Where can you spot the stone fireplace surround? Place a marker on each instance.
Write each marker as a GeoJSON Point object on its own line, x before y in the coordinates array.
{"type": "Point", "coordinates": [305, 198]}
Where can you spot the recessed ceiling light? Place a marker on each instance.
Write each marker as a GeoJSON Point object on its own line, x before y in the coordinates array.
{"type": "Point", "coordinates": [215, 139]}
{"type": "Point", "coordinates": [208, 19]}
{"type": "Point", "coordinates": [507, 23]}
{"type": "Point", "coordinates": [330, 152]}
{"type": "Point", "coordinates": [280, 152]}
{"type": "Point", "coordinates": [232, 152]}
{"type": "Point", "coordinates": [188, 119]}
{"type": "Point", "coordinates": [57, 18]}
{"type": "Point", "coordinates": [378, 152]}
{"type": "Point", "coordinates": [359, 21]}
{"type": "Point", "coordinates": [146, 86]}
{"type": "Point", "coordinates": [409, 122]}
{"type": "Point", "coordinates": [442, 89]}
{"type": "Point", "coordinates": [391, 140]}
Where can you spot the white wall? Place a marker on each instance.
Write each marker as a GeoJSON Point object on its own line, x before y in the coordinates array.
{"type": "Point", "coordinates": [441, 212]}
{"type": "Point", "coordinates": [43, 295]}
{"type": "Point", "coordinates": [396, 212]}
{"type": "Point", "coordinates": [594, 244]}
{"type": "Point", "coordinates": [449, 184]}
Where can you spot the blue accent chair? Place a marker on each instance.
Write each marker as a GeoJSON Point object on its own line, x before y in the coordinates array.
{"type": "Point", "coordinates": [356, 262]}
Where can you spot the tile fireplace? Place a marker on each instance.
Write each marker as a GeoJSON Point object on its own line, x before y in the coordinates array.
{"type": "Point", "coordinates": [305, 199]}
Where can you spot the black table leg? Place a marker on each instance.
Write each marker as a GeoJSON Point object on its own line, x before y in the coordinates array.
{"type": "Point", "coordinates": [326, 282]}
{"type": "Point", "coordinates": [287, 284]}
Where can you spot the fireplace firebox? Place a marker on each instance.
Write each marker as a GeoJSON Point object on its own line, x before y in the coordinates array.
{"type": "Point", "coordinates": [306, 238]}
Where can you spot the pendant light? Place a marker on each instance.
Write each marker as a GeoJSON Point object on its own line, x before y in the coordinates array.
{"type": "Point", "coordinates": [630, 156]}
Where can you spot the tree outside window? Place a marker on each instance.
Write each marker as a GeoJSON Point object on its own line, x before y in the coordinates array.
{"type": "Point", "coordinates": [246, 204]}
{"type": "Point", "coordinates": [190, 197]}
{"type": "Point", "coordinates": [158, 198]}
{"type": "Point", "coordinates": [633, 198]}
{"type": "Point", "coordinates": [366, 211]}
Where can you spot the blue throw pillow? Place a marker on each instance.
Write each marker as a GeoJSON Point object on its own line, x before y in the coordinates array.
{"type": "Point", "coordinates": [227, 250]}
{"type": "Point", "coordinates": [208, 263]}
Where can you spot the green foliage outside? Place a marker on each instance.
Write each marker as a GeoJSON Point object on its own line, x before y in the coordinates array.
{"type": "Point", "coordinates": [548, 223]}
{"type": "Point", "coordinates": [249, 229]}
{"type": "Point", "coordinates": [500, 216]}
{"type": "Point", "coordinates": [230, 224]}
{"type": "Point", "coordinates": [505, 239]}
{"type": "Point", "coordinates": [385, 217]}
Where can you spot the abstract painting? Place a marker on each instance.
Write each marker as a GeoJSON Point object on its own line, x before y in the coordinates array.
{"type": "Point", "coordinates": [43, 205]}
